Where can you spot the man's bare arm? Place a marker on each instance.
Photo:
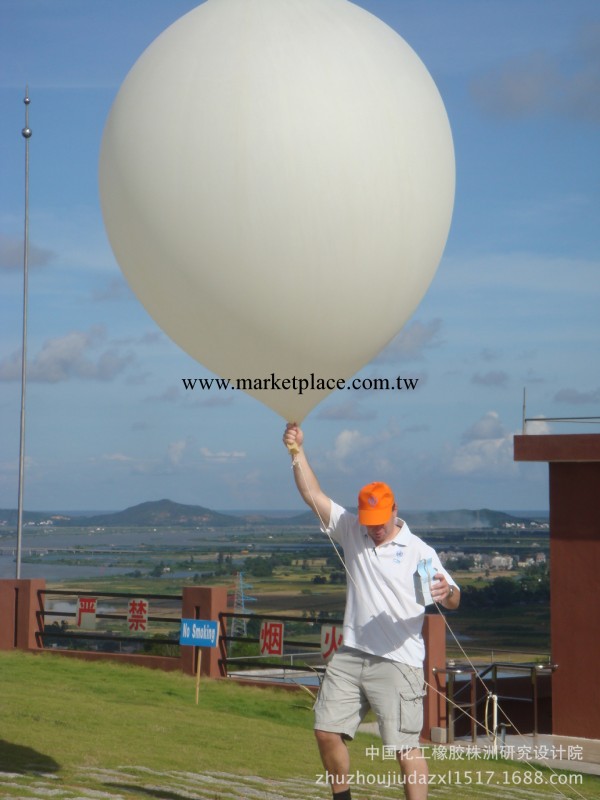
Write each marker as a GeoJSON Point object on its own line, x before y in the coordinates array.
{"type": "Point", "coordinates": [306, 480]}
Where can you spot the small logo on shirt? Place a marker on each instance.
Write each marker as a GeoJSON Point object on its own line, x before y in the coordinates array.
{"type": "Point", "coordinates": [398, 556]}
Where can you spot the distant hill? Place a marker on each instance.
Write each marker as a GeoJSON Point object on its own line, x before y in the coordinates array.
{"type": "Point", "coordinates": [163, 513]}
{"type": "Point", "coordinates": [160, 513]}
{"type": "Point", "coordinates": [156, 514]}
{"type": "Point", "coordinates": [460, 519]}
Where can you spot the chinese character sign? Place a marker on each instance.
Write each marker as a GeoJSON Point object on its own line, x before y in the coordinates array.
{"type": "Point", "coordinates": [86, 612]}
{"type": "Point", "coordinates": [331, 640]}
{"type": "Point", "coordinates": [137, 615]}
{"type": "Point", "coordinates": [271, 639]}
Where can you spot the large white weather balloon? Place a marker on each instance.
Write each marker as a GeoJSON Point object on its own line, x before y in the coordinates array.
{"type": "Point", "coordinates": [277, 182]}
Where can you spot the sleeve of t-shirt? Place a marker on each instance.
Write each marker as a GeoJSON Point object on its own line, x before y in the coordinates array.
{"type": "Point", "coordinates": [340, 521]}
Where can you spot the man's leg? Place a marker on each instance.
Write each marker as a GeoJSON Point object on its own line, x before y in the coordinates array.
{"type": "Point", "coordinates": [395, 693]}
{"type": "Point", "coordinates": [415, 773]}
{"type": "Point", "coordinates": [340, 707]}
{"type": "Point", "coordinates": [335, 758]}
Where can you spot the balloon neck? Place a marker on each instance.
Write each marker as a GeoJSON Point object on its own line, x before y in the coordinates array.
{"type": "Point", "coordinates": [293, 449]}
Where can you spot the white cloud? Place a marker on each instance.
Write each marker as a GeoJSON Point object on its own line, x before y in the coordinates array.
{"type": "Point", "coordinates": [485, 457]}
{"type": "Point", "coordinates": [244, 485]}
{"type": "Point", "coordinates": [118, 457]}
{"type": "Point", "coordinates": [181, 456]}
{"type": "Point", "coordinates": [577, 397]}
{"type": "Point", "coordinates": [488, 427]}
{"type": "Point", "coordinates": [537, 427]}
{"type": "Point", "coordinates": [175, 452]}
{"type": "Point", "coordinates": [519, 88]}
{"type": "Point", "coordinates": [486, 449]}
{"type": "Point", "coordinates": [354, 450]}
{"type": "Point", "coordinates": [495, 378]}
{"type": "Point", "coordinates": [412, 341]}
{"type": "Point", "coordinates": [489, 354]}
{"type": "Point", "coordinates": [350, 410]}
{"type": "Point", "coordinates": [115, 289]}
{"type": "Point", "coordinates": [68, 357]}
{"type": "Point", "coordinates": [171, 461]}
{"type": "Point", "coordinates": [347, 443]}
{"type": "Point", "coordinates": [11, 254]}
{"type": "Point", "coordinates": [170, 395]}
{"type": "Point", "coordinates": [150, 338]}
{"type": "Point", "coordinates": [222, 456]}
{"type": "Point", "coordinates": [566, 84]}
{"type": "Point", "coordinates": [214, 401]}
{"type": "Point", "coordinates": [523, 272]}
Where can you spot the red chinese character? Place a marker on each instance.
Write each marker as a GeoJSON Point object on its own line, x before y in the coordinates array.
{"type": "Point", "coordinates": [86, 605]}
{"type": "Point", "coordinates": [138, 615]}
{"type": "Point", "coordinates": [271, 638]}
{"type": "Point", "coordinates": [330, 640]}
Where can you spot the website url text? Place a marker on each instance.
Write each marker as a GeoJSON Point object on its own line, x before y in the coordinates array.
{"type": "Point", "coordinates": [301, 385]}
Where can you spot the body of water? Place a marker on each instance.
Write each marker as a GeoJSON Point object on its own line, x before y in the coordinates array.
{"type": "Point", "coordinates": [101, 552]}
{"type": "Point", "coordinates": [53, 573]}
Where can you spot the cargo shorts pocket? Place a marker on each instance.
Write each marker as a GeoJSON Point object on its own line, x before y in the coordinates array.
{"type": "Point", "coordinates": [410, 711]}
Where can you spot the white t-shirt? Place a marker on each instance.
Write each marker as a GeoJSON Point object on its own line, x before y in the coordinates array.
{"type": "Point", "coordinates": [383, 615]}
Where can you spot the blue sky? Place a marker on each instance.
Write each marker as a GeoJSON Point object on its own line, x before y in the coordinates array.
{"type": "Point", "coordinates": [514, 303]}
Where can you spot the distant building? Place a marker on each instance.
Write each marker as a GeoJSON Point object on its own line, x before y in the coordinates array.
{"type": "Point", "coordinates": [529, 562]}
{"type": "Point", "coordinates": [501, 562]}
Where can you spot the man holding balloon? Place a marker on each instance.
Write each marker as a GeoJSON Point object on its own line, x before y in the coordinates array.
{"type": "Point", "coordinates": [380, 665]}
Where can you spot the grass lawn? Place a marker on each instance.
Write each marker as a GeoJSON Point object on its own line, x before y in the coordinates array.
{"type": "Point", "coordinates": [72, 729]}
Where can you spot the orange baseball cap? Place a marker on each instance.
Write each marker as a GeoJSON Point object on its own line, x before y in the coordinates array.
{"type": "Point", "coordinates": [375, 504]}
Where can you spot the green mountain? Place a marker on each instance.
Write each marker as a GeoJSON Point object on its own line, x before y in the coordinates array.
{"type": "Point", "coordinates": [160, 513]}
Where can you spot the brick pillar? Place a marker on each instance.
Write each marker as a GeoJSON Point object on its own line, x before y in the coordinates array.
{"type": "Point", "coordinates": [574, 483]}
{"type": "Point", "coordinates": [202, 602]}
{"type": "Point", "coordinates": [574, 569]}
{"type": "Point", "coordinates": [434, 704]}
{"type": "Point", "coordinates": [21, 614]}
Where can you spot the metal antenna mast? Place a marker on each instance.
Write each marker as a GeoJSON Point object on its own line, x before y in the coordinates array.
{"type": "Point", "coordinates": [26, 133]}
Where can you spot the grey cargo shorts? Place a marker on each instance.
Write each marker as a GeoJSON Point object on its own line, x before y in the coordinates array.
{"type": "Point", "coordinates": [356, 681]}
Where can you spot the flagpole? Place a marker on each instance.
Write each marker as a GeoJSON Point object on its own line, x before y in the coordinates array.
{"type": "Point", "coordinates": [26, 133]}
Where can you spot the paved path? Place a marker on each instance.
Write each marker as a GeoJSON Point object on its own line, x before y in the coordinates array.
{"type": "Point", "coordinates": [143, 783]}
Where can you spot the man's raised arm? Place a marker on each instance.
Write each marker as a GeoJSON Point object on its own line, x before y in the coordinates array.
{"type": "Point", "coordinates": [305, 478]}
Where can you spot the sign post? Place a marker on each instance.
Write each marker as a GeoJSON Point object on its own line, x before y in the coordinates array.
{"type": "Point", "coordinates": [198, 633]}
{"type": "Point", "coordinates": [198, 675]}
